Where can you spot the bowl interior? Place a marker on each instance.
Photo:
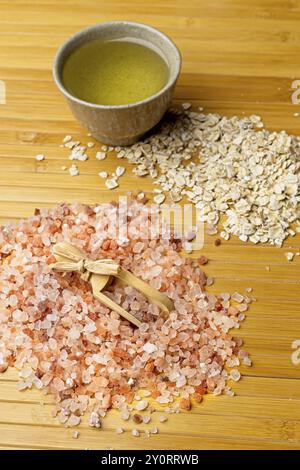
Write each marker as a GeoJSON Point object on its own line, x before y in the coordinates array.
{"type": "Point", "coordinates": [137, 32]}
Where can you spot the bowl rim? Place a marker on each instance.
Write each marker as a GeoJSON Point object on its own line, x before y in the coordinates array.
{"type": "Point", "coordinates": [59, 55]}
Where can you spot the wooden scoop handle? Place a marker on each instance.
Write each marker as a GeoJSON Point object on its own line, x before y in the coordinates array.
{"type": "Point", "coordinates": [153, 295]}
{"type": "Point", "coordinates": [116, 308]}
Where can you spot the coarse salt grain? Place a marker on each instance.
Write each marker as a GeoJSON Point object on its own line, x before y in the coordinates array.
{"type": "Point", "coordinates": [40, 157]}
{"type": "Point", "coordinates": [149, 348]}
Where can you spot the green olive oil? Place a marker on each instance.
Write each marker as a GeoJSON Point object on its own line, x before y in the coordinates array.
{"type": "Point", "coordinates": [114, 72]}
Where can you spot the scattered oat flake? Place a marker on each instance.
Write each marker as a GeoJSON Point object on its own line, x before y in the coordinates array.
{"type": "Point", "coordinates": [67, 138]}
{"type": "Point", "coordinates": [186, 105]}
{"type": "Point", "coordinates": [159, 198]}
{"type": "Point", "coordinates": [100, 155]}
{"type": "Point", "coordinates": [90, 145]}
{"type": "Point", "coordinates": [162, 419]}
{"type": "Point", "coordinates": [111, 184]}
{"type": "Point", "coordinates": [154, 430]}
{"type": "Point", "coordinates": [289, 256]}
{"type": "Point", "coordinates": [73, 170]}
{"type": "Point", "coordinates": [120, 170]}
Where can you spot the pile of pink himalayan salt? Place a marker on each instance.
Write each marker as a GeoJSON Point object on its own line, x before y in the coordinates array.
{"type": "Point", "coordinates": [64, 341]}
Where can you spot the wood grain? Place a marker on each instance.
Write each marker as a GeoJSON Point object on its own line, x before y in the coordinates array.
{"type": "Point", "coordinates": [238, 58]}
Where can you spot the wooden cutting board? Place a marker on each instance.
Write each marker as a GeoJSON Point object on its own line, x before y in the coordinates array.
{"type": "Point", "coordinates": [238, 58]}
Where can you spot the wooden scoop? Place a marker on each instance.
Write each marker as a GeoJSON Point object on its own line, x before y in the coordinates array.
{"type": "Point", "coordinates": [100, 273]}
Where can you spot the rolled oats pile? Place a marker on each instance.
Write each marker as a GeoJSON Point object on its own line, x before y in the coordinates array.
{"type": "Point", "coordinates": [225, 166]}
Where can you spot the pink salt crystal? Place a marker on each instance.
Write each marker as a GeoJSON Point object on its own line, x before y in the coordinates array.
{"type": "Point", "coordinates": [190, 236]}
{"type": "Point", "coordinates": [94, 420]}
{"type": "Point", "coordinates": [135, 433]}
{"type": "Point", "coordinates": [58, 384]}
{"type": "Point", "coordinates": [52, 343]}
{"type": "Point", "coordinates": [21, 386]}
{"type": "Point", "coordinates": [235, 375]}
{"type": "Point", "coordinates": [237, 297]}
{"type": "Point", "coordinates": [162, 419]}
{"type": "Point", "coordinates": [181, 381]}
{"type": "Point", "coordinates": [138, 247]}
{"type": "Point", "coordinates": [146, 419]}
{"type": "Point", "coordinates": [247, 361]}
{"type": "Point", "coordinates": [163, 399]}
{"type": "Point", "coordinates": [75, 434]}
{"type": "Point", "coordinates": [144, 327]}
{"type": "Point", "coordinates": [119, 430]}
{"type": "Point", "coordinates": [149, 348]}
{"type": "Point", "coordinates": [154, 430]}
{"type": "Point", "coordinates": [62, 418]}
{"type": "Point", "coordinates": [125, 415]}
{"type": "Point", "coordinates": [243, 307]}
{"type": "Point", "coordinates": [74, 420]}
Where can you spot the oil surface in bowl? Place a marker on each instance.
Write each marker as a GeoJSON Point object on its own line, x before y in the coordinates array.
{"type": "Point", "coordinates": [114, 72]}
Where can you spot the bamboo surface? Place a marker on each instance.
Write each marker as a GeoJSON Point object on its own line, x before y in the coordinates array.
{"type": "Point", "coordinates": [238, 58]}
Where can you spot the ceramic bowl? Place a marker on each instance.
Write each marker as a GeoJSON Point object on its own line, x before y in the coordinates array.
{"type": "Point", "coordinates": [121, 124]}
